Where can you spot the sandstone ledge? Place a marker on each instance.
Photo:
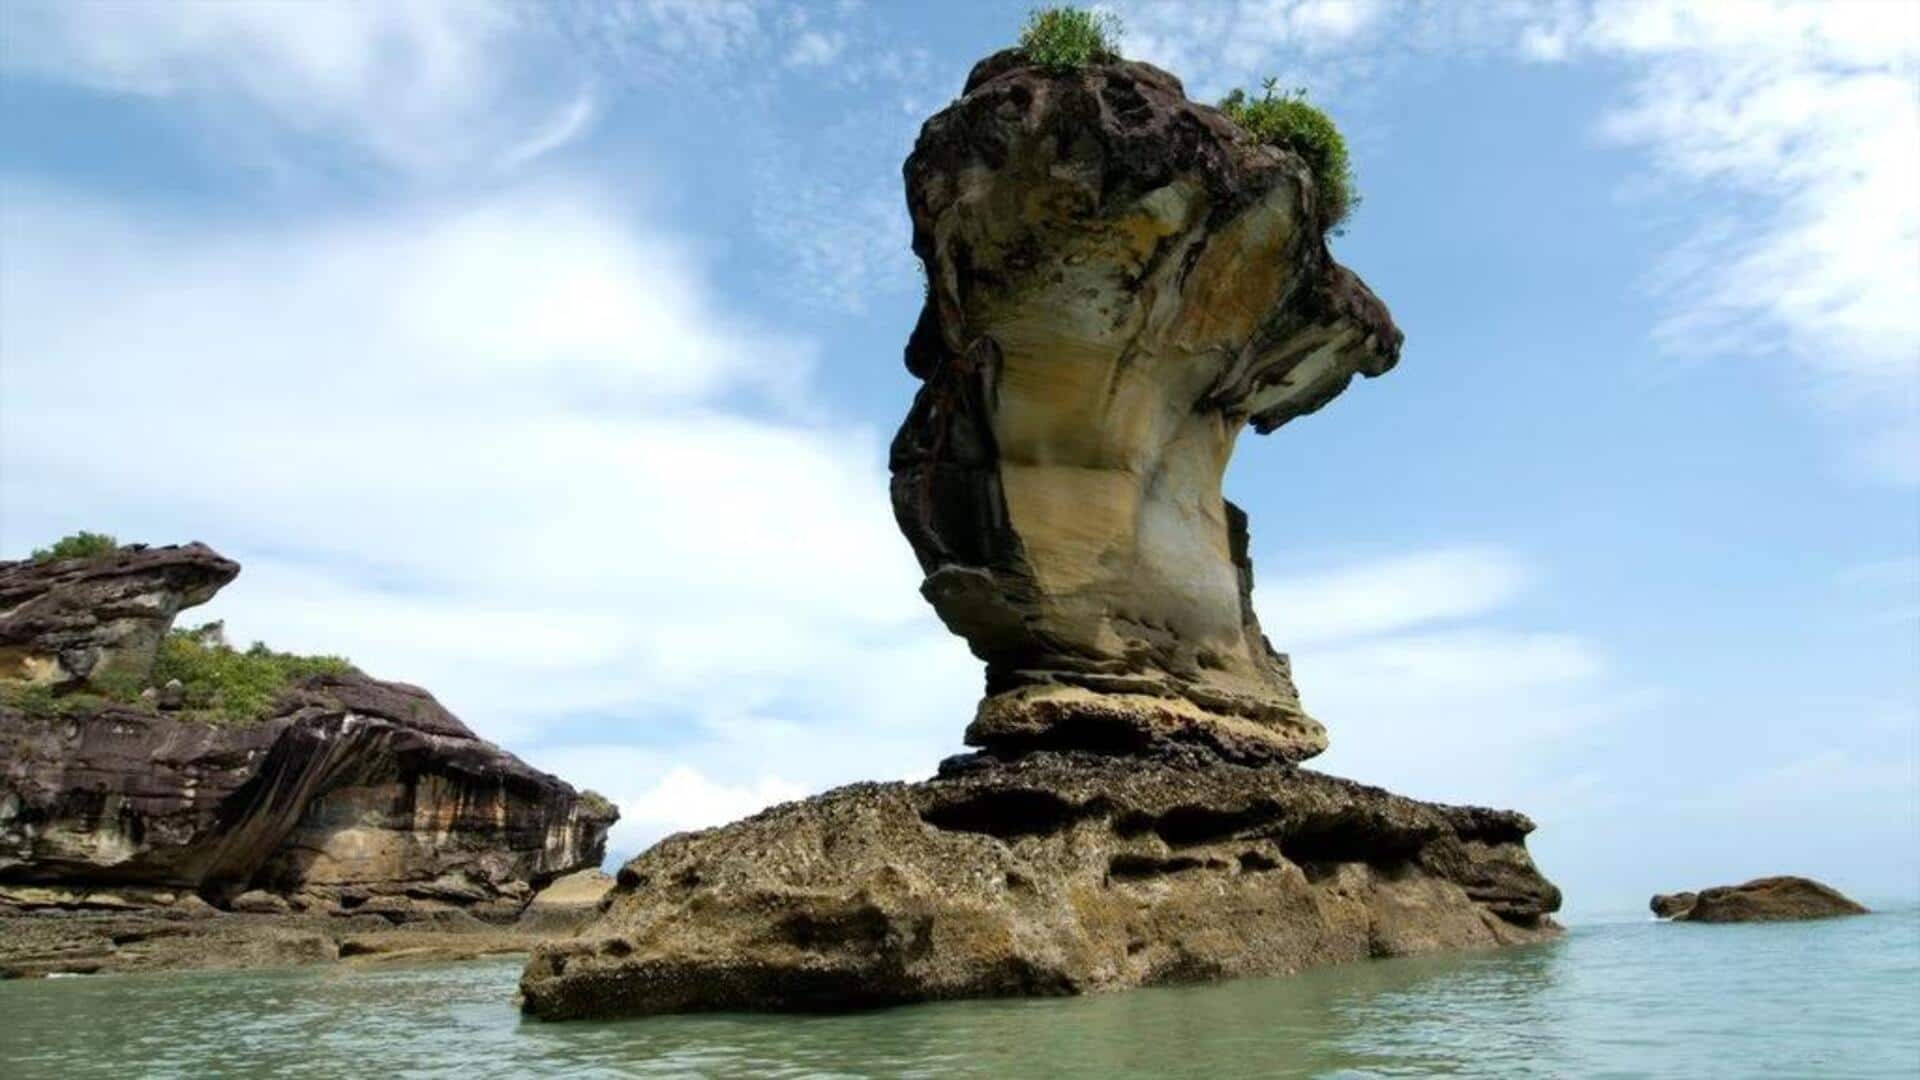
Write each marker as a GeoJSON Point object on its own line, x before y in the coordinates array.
{"type": "Point", "coordinates": [1054, 874]}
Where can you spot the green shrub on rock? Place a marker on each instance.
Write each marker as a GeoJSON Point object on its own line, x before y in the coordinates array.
{"type": "Point", "coordinates": [1288, 120]}
{"type": "Point", "coordinates": [223, 685]}
{"type": "Point", "coordinates": [1068, 38]}
{"type": "Point", "coordinates": [80, 545]}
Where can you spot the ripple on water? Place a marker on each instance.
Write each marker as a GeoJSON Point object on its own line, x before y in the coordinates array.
{"type": "Point", "coordinates": [1634, 999]}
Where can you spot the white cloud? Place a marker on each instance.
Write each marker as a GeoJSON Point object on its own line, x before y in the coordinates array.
{"type": "Point", "coordinates": [1217, 46]}
{"type": "Point", "coordinates": [1425, 686]}
{"type": "Point", "coordinates": [566, 126]}
{"type": "Point", "coordinates": [418, 84]}
{"type": "Point", "coordinates": [1390, 594]}
{"type": "Point", "coordinates": [513, 451]}
{"type": "Point", "coordinates": [814, 48]}
{"type": "Point", "coordinates": [1802, 120]}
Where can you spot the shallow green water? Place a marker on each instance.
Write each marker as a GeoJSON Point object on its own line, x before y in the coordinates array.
{"type": "Point", "coordinates": [1839, 999]}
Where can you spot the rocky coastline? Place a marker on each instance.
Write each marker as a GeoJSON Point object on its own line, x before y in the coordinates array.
{"type": "Point", "coordinates": [346, 798]}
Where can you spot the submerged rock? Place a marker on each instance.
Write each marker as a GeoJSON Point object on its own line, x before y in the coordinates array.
{"type": "Point", "coordinates": [1053, 874]}
{"type": "Point", "coordinates": [349, 790]}
{"type": "Point", "coordinates": [1768, 899]}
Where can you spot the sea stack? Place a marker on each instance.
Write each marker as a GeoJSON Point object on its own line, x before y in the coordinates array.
{"type": "Point", "coordinates": [1119, 281]}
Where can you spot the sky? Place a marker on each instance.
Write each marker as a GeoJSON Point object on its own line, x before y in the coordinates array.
{"type": "Point", "coordinates": [546, 356]}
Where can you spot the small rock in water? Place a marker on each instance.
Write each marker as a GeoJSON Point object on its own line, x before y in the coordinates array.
{"type": "Point", "coordinates": [1768, 899]}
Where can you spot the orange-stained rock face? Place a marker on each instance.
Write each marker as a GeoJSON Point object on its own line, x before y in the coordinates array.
{"type": "Point", "coordinates": [1119, 281]}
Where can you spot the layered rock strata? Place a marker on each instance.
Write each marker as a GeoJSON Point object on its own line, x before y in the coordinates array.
{"type": "Point", "coordinates": [1053, 874]}
{"type": "Point", "coordinates": [353, 795]}
{"type": "Point", "coordinates": [72, 621]}
{"type": "Point", "coordinates": [124, 930]}
{"type": "Point", "coordinates": [1768, 899]}
{"type": "Point", "coordinates": [1119, 281]}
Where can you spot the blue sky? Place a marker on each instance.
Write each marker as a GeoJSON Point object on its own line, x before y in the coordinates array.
{"type": "Point", "coordinates": [546, 355]}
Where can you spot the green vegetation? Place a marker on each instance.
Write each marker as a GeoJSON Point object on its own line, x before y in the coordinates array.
{"type": "Point", "coordinates": [595, 803]}
{"type": "Point", "coordinates": [81, 545]}
{"type": "Point", "coordinates": [219, 683]}
{"type": "Point", "coordinates": [1063, 39]}
{"type": "Point", "coordinates": [1288, 120]}
{"type": "Point", "coordinates": [224, 685]}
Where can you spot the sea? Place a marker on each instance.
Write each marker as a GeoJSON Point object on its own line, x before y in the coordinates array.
{"type": "Point", "coordinates": [1613, 998]}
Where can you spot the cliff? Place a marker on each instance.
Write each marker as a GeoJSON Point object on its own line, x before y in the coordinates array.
{"type": "Point", "coordinates": [1119, 281]}
{"type": "Point", "coordinates": [342, 793]}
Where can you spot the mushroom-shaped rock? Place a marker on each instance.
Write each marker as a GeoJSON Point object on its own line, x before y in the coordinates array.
{"type": "Point", "coordinates": [1119, 281]}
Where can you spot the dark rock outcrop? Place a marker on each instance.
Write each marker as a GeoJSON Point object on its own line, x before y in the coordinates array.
{"type": "Point", "coordinates": [1768, 899]}
{"type": "Point", "coordinates": [68, 621]}
{"type": "Point", "coordinates": [354, 794]}
{"type": "Point", "coordinates": [1053, 874]}
{"type": "Point", "coordinates": [1119, 281]}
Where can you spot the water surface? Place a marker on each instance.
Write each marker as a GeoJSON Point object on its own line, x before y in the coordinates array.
{"type": "Point", "coordinates": [1825, 999]}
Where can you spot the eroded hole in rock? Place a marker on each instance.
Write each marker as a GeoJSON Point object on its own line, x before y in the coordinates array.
{"type": "Point", "coordinates": [1006, 814]}
{"type": "Point", "coordinates": [1254, 861]}
{"type": "Point", "coordinates": [1185, 826]}
{"type": "Point", "coordinates": [864, 927]}
{"type": "Point", "coordinates": [1127, 867]}
{"type": "Point", "coordinates": [616, 947]}
{"type": "Point", "coordinates": [1346, 841]}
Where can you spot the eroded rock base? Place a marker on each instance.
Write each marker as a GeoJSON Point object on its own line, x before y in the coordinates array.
{"type": "Point", "coordinates": [51, 931]}
{"type": "Point", "coordinates": [1057, 873]}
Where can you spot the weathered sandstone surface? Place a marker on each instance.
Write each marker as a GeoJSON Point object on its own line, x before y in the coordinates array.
{"type": "Point", "coordinates": [1052, 874]}
{"type": "Point", "coordinates": [1768, 899]}
{"type": "Point", "coordinates": [78, 620]}
{"type": "Point", "coordinates": [1119, 281]}
{"type": "Point", "coordinates": [354, 795]}
{"type": "Point", "coordinates": [126, 930]}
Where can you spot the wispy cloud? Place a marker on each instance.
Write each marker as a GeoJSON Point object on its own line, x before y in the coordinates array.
{"type": "Point", "coordinates": [421, 85]}
{"type": "Point", "coordinates": [1220, 45]}
{"type": "Point", "coordinates": [1393, 593]}
{"type": "Point", "coordinates": [1803, 120]}
{"type": "Point", "coordinates": [568, 124]}
{"type": "Point", "coordinates": [1427, 682]}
